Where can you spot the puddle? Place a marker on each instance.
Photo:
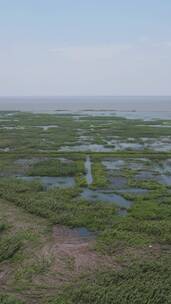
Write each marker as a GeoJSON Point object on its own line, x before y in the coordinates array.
{"type": "Point", "coordinates": [120, 146]}
{"type": "Point", "coordinates": [157, 146]}
{"type": "Point", "coordinates": [95, 195]}
{"type": "Point", "coordinates": [65, 160]}
{"type": "Point", "coordinates": [4, 119]}
{"type": "Point", "coordinates": [133, 190]}
{"type": "Point", "coordinates": [32, 161]}
{"type": "Point", "coordinates": [72, 233]}
{"type": "Point", "coordinates": [29, 161]}
{"type": "Point", "coordinates": [159, 174]}
{"type": "Point", "coordinates": [118, 164]}
{"type": "Point", "coordinates": [163, 144]}
{"type": "Point", "coordinates": [155, 126]}
{"type": "Point", "coordinates": [113, 164]}
{"type": "Point", "coordinates": [85, 148]}
{"type": "Point", "coordinates": [75, 246]}
{"type": "Point", "coordinates": [102, 148]}
{"type": "Point", "coordinates": [51, 182]}
{"type": "Point", "coordinates": [135, 165]}
{"type": "Point", "coordinates": [85, 138]}
{"type": "Point", "coordinates": [118, 181]}
{"type": "Point", "coordinates": [5, 149]}
{"type": "Point", "coordinates": [164, 167]}
{"type": "Point", "coordinates": [143, 175]}
{"type": "Point", "coordinates": [145, 116]}
{"type": "Point", "coordinates": [164, 179]}
{"type": "Point", "coordinates": [83, 232]}
{"type": "Point", "coordinates": [160, 146]}
{"type": "Point", "coordinates": [122, 212]}
{"type": "Point", "coordinates": [89, 176]}
{"type": "Point", "coordinates": [12, 128]}
{"type": "Point", "coordinates": [167, 165]}
{"type": "Point", "coordinates": [11, 113]}
{"type": "Point", "coordinates": [165, 172]}
{"type": "Point", "coordinates": [45, 128]}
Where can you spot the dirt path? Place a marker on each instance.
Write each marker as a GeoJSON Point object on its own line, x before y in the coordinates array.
{"type": "Point", "coordinates": [74, 253]}
{"type": "Point", "coordinates": [49, 258]}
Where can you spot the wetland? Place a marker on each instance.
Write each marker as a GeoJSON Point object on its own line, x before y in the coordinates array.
{"type": "Point", "coordinates": [85, 208]}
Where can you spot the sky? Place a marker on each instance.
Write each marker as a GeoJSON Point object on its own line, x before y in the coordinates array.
{"type": "Point", "coordinates": [78, 47]}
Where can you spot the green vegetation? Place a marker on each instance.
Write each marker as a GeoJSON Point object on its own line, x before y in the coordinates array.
{"type": "Point", "coordinates": [8, 247]}
{"type": "Point", "coordinates": [55, 167]}
{"type": "Point", "coordinates": [2, 227]}
{"type": "Point", "coordinates": [5, 299]}
{"type": "Point", "coordinates": [127, 259]}
{"type": "Point", "coordinates": [60, 206]}
{"type": "Point", "coordinates": [132, 232]}
{"type": "Point", "coordinates": [147, 282]}
{"type": "Point", "coordinates": [99, 175]}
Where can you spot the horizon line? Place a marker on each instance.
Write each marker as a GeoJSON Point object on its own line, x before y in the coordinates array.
{"type": "Point", "coordinates": [78, 96]}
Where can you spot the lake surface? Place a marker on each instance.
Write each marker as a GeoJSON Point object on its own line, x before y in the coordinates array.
{"type": "Point", "coordinates": [132, 107]}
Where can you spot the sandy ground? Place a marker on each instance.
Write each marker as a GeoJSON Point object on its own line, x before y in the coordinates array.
{"type": "Point", "coordinates": [77, 249]}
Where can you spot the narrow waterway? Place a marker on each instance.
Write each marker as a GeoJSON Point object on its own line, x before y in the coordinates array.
{"type": "Point", "coordinates": [89, 176]}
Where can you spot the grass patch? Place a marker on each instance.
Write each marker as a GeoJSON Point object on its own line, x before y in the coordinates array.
{"type": "Point", "coordinates": [62, 206]}
{"type": "Point", "coordinates": [6, 299]}
{"type": "Point", "coordinates": [99, 175]}
{"type": "Point", "coordinates": [146, 282]}
{"type": "Point", "coordinates": [9, 246]}
{"type": "Point", "coordinates": [55, 167]}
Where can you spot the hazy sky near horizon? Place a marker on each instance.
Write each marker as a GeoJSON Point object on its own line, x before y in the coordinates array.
{"type": "Point", "coordinates": [78, 47]}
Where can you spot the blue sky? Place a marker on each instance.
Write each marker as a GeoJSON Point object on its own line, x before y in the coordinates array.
{"type": "Point", "coordinates": [72, 47]}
